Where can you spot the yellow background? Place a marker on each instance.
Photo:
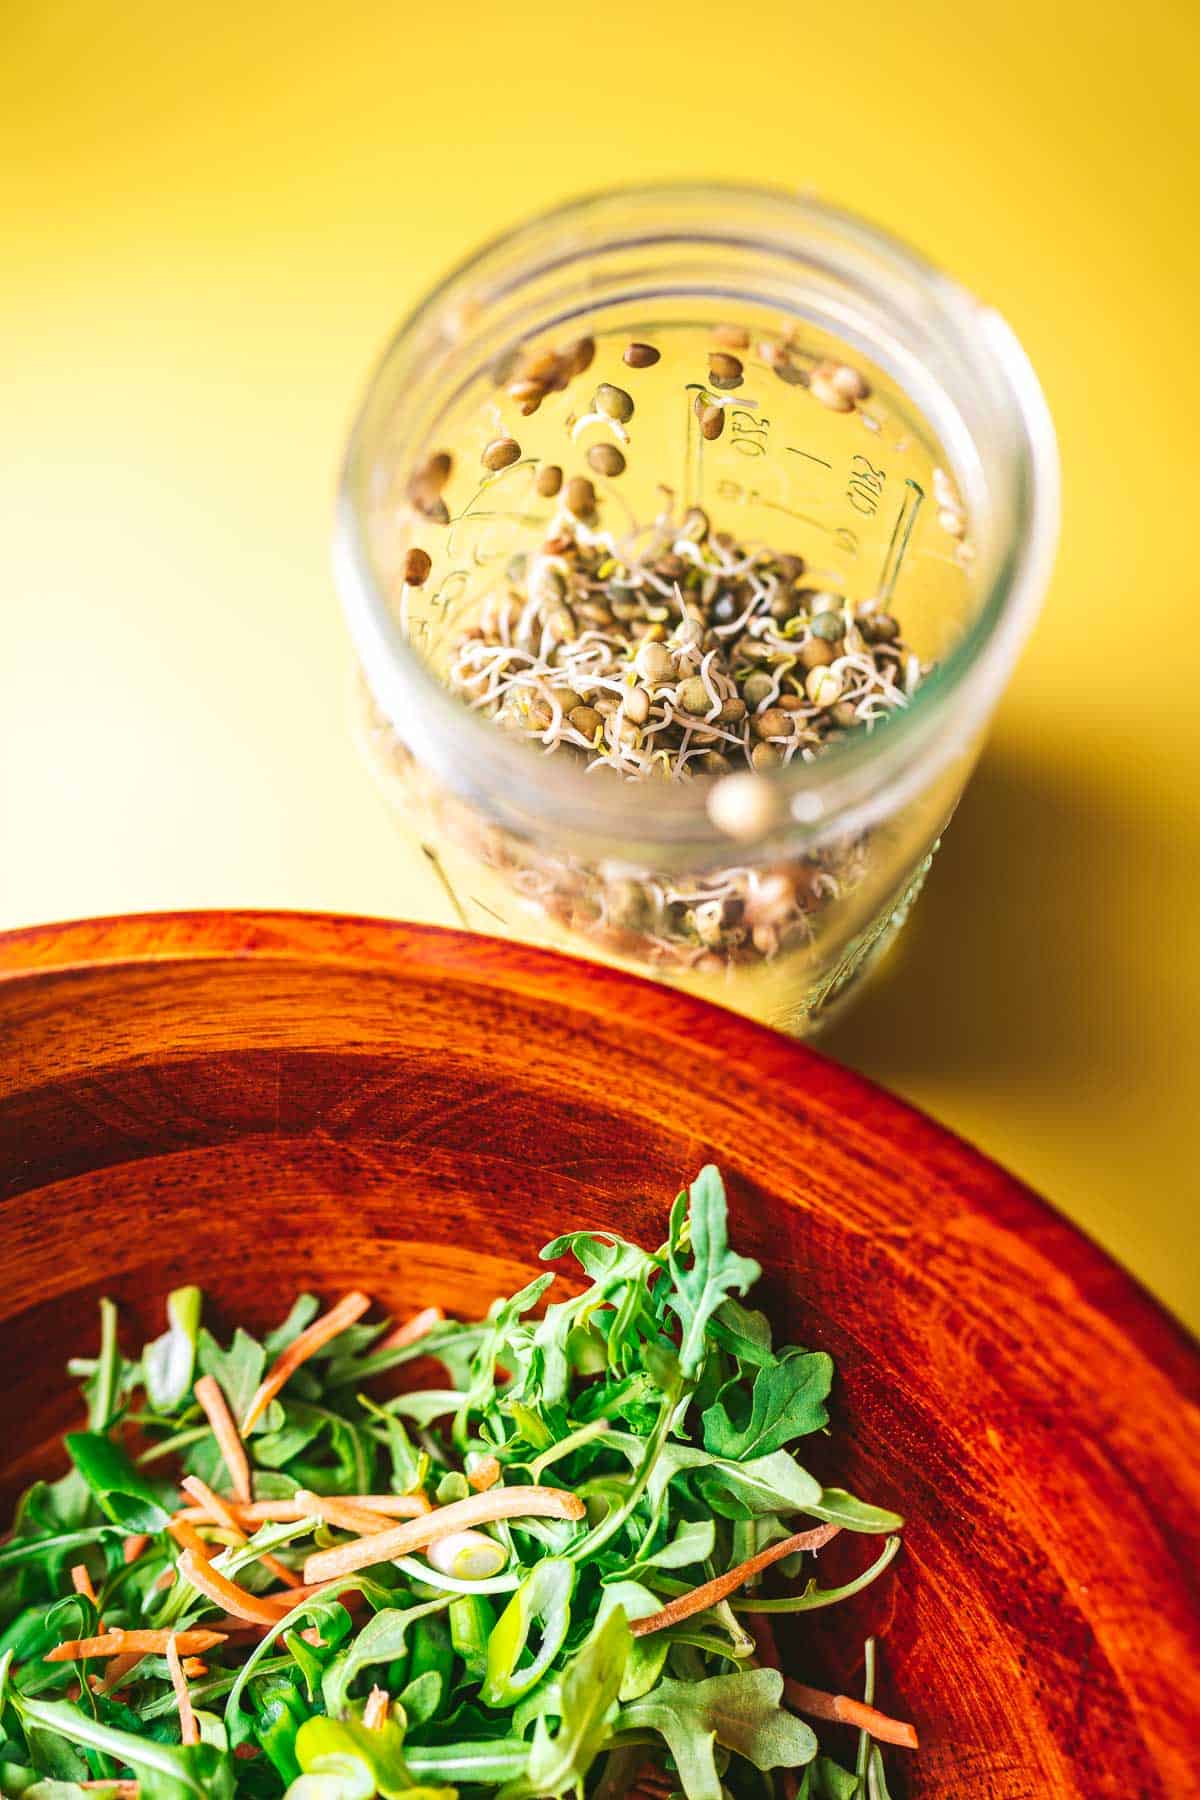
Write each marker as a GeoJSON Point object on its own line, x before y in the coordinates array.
{"type": "Point", "coordinates": [213, 214]}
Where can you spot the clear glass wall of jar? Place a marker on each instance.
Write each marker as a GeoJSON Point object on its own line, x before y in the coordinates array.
{"type": "Point", "coordinates": [879, 430]}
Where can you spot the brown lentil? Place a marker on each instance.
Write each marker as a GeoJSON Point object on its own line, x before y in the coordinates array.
{"type": "Point", "coordinates": [693, 697]}
{"type": "Point", "coordinates": [764, 756]}
{"type": "Point", "coordinates": [816, 654]}
{"type": "Point", "coordinates": [501, 452]}
{"type": "Point", "coordinates": [641, 356]}
{"type": "Point", "coordinates": [732, 337]}
{"type": "Point", "coordinates": [549, 480]}
{"type": "Point", "coordinates": [606, 459]}
{"type": "Point", "coordinates": [417, 565]}
{"type": "Point", "coordinates": [725, 371]}
{"type": "Point", "coordinates": [712, 421]}
{"type": "Point", "coordinates": [581, 496]}
{"type": "Point", "coordinates": [528, 395]}
{"type": "Point", "coordinates": [775, 722]}
{"type": "Point", "coordinates": [586, 720]}
{"type": "Point", "coordinates": [580, 355]}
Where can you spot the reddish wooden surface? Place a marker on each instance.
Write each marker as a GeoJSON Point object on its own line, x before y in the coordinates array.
{"type": "Point", "coordinates": [260, 1102]}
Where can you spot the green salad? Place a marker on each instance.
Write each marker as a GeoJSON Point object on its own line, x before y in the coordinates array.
{"type": "Point", "coordinates": [270, 1573]}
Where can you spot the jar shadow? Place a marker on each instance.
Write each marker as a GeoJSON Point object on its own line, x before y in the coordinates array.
{"type": "Point", "coordinates": [1021, 960]}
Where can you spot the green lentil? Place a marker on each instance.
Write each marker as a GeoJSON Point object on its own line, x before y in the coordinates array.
{"type": "Point", "coordinates": [613, 402]}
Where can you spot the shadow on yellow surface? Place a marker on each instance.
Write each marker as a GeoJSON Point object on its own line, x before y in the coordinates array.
{"type": "Point", "coordinates": [1022, 984]}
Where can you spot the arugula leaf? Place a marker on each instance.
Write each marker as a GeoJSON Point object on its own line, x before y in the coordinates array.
{"type": "Point", "coordinates": [237, 1371]}
{"type": "Point", "coordinates": [344, 1760]}
{"type": "Point", "coordinates": [382, 1639]}
{"type": "Point", "coordinates": [122, 1493]}
{"type": "Point", "coordinates": [558, 1764]}
{"type": "Point", "coordinates": [165, 1771]}
{"type": "Point", "coordinates": [837, 1507]}
{"type": "Point", "coordinates": [788, 1402]}
{"type": "Point", "coordinates": [742, 1712]}
{"type": "Point", "coordinates": [826, 1780]}
{"type": "Point", "coordinates": [715, 1269]}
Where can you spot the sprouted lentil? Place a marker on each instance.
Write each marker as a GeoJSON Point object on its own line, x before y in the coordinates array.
{"type": "Point", "coordinates": [680, 654]}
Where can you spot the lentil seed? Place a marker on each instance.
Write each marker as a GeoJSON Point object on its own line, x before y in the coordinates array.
{"type": "Point", "coordinates": [879, 628]}
{"type": "Point", "coordinates": [725, 371]}
{"type": "Point", "coordinates": [528, 395]}
{"type": "Point", "coordinates": [732, 337]}
{"type": "Point", "coordinates": [765, 756]}
{"type": "Point", "coordinates": [693, 697]}
{"type": "Point", "coordinates": [613, 402]}
{"type": "Point", "coordinates": [653, 663]}
{"type": "Point", "coordinates": [823, 687]}
{"type": "Point", "coordinates": [500, 453]}
{"type": "Point", "coordinates": [821, 387]}
{"type": "Point", "coordinates": [641, 356]}
{"type": "Point", "coordinates": [816, 653]}
{"type": "Point", "coordinates": [775, 722]}
{"type": "Point", "coordinates": [580, 355]}
{"type": "Point", "coordinates": [712, 422]}
{"type": "Point", "coordinates": [417, 565]}
{"type": "Point", "coordinates": [830, 626]}
{"type": "Point", "coordinates": [756, 688]}
{"type": "Point", "coordinates": [637, 705]}
{"type": "Point", "coordinates": [848, 381]}
{"type": "Point", "coordinates": [549, 480]}
{"type": "Point", "coordinates": [581, 496]}
{"type": "Point", "coordinates": [606, 459]}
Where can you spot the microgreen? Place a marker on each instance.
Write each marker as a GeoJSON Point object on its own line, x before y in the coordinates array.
{"type": "Point", "coordinates": [644, 1433]}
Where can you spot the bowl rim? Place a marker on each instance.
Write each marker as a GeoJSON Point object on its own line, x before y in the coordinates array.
{"type": "Point", "coordinates": [63, 949]}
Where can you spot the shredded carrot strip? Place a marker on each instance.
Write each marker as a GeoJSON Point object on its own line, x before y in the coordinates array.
{"type": "Point", "coordinates": [485, 1474]}
{"type": "Point", "coordinates": [119, 1671]}
{"type": "Point", "coordinates": [701, 1598]}
{"type": "Point", "coordinates": [375, 1711]}
{"type": "Point", "coordinates": [189, 1732]}
{"type": "Point", "coordinates": [134, 1546]}
{"type": "Point", "coordinates": [416, 1534]}
{"type": "Point", "coordinates": [419, 1326]}
{"type": "Point", "coordinates": [351, 1307]}
{"type": "Point", "coordinates": [120, 1790]}
{"type": "Point", "coordinates": [243, 1605]}
{"type": "Point", "coordinates": [164, 1581]}
{"type": "Point", "coordinates": [222, 1515]}
{"type": "Point", "coordinates": [193, 1667]}
{"type": "Point", "coordinates": [337, 1511]}
{"type": "Point", "coordinates": [145, 1643]}
{"type": "Point", "coordinates": [286, 1512]}
{"type": "Point", "coordinates": [81, 1581]}
{"type": "Point", "coordinates": [188, 1538]}
{"type": "Point", "coordinates": [233, 1451]}
{"type": "Point", "coordinates": [845, 1711]}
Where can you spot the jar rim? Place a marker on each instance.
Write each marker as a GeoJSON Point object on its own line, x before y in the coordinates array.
{"type": "Point", "coordinates": [853, 782]}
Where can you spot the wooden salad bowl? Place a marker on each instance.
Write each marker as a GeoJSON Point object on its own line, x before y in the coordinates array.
{"type": "Point", "coordinates": [264, 1103]}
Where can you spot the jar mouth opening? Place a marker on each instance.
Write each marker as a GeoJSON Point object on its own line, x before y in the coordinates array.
{"type": "Point", "coordinates": [853, 782]}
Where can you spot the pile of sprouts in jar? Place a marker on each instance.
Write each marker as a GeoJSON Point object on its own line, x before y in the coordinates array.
{"type": "Point", "coordinates": [669, 651]}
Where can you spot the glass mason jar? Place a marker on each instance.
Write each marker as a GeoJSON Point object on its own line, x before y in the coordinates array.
{"type": "Point", "coordinates": [874, 440]}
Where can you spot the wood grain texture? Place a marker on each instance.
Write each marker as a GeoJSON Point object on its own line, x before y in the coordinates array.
{"type": "Point", "coordinates": [263, 1102]}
